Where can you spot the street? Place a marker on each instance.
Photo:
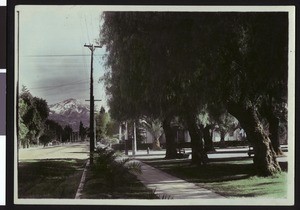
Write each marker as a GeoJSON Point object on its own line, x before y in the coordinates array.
{"type": "Point", "coordinates": [219, 154]}
{"type": "Point", "coordinates": [73, 151]}
{"type": "Point", "coordinates": [81, 151]}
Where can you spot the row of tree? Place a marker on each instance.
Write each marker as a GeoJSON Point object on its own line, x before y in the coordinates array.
{"type": "Point", "coordinates": [168, 64]}
{"type": "Point", "coordinates": [106, 128]}
{"type": "Point", "coordinates": [33, 113]}
{"type": "Point", "coordinates": [34, 127]}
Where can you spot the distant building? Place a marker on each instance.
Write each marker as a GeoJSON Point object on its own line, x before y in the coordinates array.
{"type": "Point", "coordinates": [182, 135]}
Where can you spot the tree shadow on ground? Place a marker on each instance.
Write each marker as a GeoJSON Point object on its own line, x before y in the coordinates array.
{"type": "Point", "coordinates": [233, 177]}
{"type": "Point", "coordinates": [96, 187]}
{"type": "Point", "coordinates": [51, 178]}
{"type": "Point", "coordinates": [216, 170]}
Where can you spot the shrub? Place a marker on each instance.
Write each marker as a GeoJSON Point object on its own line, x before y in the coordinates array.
{"type": "Point", "coordinates": [114, 168]}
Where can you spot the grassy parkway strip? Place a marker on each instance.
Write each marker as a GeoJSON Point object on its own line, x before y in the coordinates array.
{"type": "Point", "coordinates": [51, 172]}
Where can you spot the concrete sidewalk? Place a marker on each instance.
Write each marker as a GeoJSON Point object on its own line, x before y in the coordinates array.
{"type": "Point", "coordinates": [171, 187]}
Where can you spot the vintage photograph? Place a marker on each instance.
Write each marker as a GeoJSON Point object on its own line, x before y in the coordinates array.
{"type": "Point", "coordinates": [154, 105]}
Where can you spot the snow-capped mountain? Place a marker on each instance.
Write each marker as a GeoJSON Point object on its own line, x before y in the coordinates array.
{"type": "Point", "coordinates": [70, 112]}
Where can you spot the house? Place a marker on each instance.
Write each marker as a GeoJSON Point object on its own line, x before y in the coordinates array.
{"type": "Point", "coordinates": [182, 135]}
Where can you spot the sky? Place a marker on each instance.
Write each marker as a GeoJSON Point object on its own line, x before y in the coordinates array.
{"type": "Point", "coordinates": [54, 64]}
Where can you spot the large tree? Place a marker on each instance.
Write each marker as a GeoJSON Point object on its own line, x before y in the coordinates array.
{"type": "Point", "coordinates": [42, 112]}
{"type": "Point", "coordinates": [47, 137]}
{"type": "Point", "coordinates": [274, 111]}
{"type": "Point", "coordinates": [245, 60]}
{"type": "Point", "coordinates": [33, 112]}
{"type": "Point", "coordinates": [67, 133]}
{"type": "Point", "coordinates": [23, 130]}
{"type": "Point", "coordinates": [136, 81]}
{"type": "Point", "coordinates": [167, 64]}
{"type": "Point", "coordinates": [82, 131]}
{"type": "Point", "coordinates": [55, 128]}
{"type": "Point", "coordinates": [102, 120]}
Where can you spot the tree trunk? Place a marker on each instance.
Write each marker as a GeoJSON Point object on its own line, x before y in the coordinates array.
{"type": "Point", "coordinates": [222, 141]}
{"type": "Point", "coordinates": [273, 128]}
{"type": "Point", "coordinates": [40, 133]}
{"type": "Point", "coordinates": [156, 144]}
{"type": "Point", "coordinates": [170, 140]}
{"type": "Point", "coordinates": [264, 155]}
{"type": "Point", "coordinates": [199, 156]}
{"type": "Point", "coordinates": [274, 135]}
{"type": "Point", "coordinates": [208, 144]}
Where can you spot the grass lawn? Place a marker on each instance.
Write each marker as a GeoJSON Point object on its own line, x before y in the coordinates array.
{"type": "Point", "coordinates": [110, 178]}
{"type": "Point", "coordinates": [96, 187]}
{"type": "Point", "coordinates": [58, 178]}
{"type": "Point", "coordinates": [233, 178]}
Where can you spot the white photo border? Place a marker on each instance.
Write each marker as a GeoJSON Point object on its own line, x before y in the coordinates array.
{"type": "Point", "coordinates": [289, 201]}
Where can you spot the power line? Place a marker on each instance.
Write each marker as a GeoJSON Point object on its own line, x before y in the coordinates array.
{"type": "Point", "coordinates": [81, 41]}
{"type": "Point", "coordinates": [62, 85]}
{"type": "Point", "coordinates": [63, 55]}
{"type": "Point", "coordinates": [82, 90]}
{"type": "Point", "coordinates": [87, 29]}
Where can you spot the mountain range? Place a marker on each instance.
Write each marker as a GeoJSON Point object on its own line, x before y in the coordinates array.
{"type": "Point", "coordinates": [70, 112]}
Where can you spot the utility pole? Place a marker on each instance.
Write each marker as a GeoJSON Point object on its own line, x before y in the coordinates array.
{"type": "Point", "coordinates": [120, 132]}
{"type": "Point", "coordinates": [92, 140]}
{"type": "Point", "coordinates": [126, 138]}
{"type": "Point", "coordinates": [134, 140]}
{"type": "Point", "coordinates": [94, 122]}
